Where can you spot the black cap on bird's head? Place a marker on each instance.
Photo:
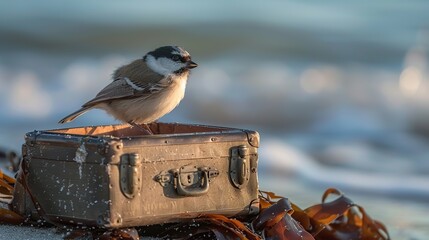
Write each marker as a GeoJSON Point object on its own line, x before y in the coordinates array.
{"type": "Point", "coordinates": [168, 51]}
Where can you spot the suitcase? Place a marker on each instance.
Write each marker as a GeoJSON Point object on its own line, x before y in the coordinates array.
{"type": "Point", "coordinates": [112, 176]}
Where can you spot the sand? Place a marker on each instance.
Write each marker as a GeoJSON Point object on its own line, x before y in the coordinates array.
{"type": "Point", "coordinates": [11, 232]}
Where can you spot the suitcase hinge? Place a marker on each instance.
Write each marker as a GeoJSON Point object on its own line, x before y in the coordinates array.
{"type": "Point", "coordinates": [239, 168]}
{"type": "Point", "coordinates": [130, 174]}
{"type": "Point", "coordinates": [30, 138]}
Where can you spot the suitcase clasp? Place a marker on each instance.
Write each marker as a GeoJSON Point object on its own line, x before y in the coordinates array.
{"type": "Point", "coordinates": [239, 168]}
{"type": "Point", "coordinates": [188, 180]}
{"type": "Point", "coordinates": [183, 178]}
{"type": "Point", "coordinates": [130, 174]}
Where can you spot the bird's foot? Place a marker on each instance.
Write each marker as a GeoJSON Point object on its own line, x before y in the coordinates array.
{"type": "Point", "coordinates": [145, 128]}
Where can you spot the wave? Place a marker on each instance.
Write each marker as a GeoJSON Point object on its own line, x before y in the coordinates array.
{"type": "Point", "coordinates": [282, 158]}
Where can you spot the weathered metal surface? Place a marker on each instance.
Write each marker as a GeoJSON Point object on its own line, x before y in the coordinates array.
{"type": "Point", "coordinates": [111, 176]}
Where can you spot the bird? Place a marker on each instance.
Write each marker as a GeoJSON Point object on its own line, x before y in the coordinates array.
{"type": "Point", "coordinates": [145, 89]}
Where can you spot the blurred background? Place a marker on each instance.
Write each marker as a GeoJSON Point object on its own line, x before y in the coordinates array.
{"type": "Point", "coordinates": [338, 91]}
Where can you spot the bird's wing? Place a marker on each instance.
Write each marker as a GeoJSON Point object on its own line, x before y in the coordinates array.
{"type": "Point", "coordinates": [122, 88]}
{"type": "Point", "coordinates": [130, 81]}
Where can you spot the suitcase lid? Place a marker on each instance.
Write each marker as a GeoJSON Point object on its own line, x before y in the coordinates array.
{"type": "Point", "coordinates": [91, 143]}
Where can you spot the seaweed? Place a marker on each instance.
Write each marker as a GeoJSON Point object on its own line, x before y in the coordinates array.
{"type": "Point", "coordinates": [6, 192]}
{"type": "Point", "coordinates": [282, 220]}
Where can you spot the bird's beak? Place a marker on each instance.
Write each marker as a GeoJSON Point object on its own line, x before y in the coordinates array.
{"type": "Point", "coordinates": [191, 64]}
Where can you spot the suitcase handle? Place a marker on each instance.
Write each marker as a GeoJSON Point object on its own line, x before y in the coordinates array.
{"type": "Point", "coordinates": [181, 190]}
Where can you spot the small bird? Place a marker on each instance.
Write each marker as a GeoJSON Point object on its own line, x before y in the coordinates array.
{"type": "Point", "coordinates": [144, 90]}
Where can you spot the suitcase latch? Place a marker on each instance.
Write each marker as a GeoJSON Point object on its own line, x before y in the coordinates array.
{"type": "Point", "coordinates": [239, 168]}
{"type": "Point", "coordinates": [188, 180]}
{"type": "Point", "coordinates": [130, 174]}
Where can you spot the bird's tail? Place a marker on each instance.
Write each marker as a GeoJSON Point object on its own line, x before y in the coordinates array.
{"type": "Point", "coordinates": [74, 115]}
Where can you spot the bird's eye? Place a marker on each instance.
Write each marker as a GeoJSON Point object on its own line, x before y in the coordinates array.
{"type": "Point", "coordinates": [175, 57]}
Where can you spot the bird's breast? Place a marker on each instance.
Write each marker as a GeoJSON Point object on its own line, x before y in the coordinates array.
{"type": "Point", "coordinates": [176, 91]}
{"type": "Point", "coordinates": [149, 109]}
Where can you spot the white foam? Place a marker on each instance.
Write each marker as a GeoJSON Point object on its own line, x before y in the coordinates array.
{"type": "Point", "coordinates": [27, 97]}
{"type": "Point", "coordinates": [276, 154]}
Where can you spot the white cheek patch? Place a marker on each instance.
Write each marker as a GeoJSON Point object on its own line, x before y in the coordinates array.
{"type": "Point", "coordinates": [163, 66]}
{"type": "Point", "coordinates": [170, 64]}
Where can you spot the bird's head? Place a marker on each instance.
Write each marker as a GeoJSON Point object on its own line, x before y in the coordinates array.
{"type": "Point", "coordinates": [169, 60]}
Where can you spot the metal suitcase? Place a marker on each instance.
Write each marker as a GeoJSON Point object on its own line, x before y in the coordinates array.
{"type": "Point", "coordinates": [112, 176]}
